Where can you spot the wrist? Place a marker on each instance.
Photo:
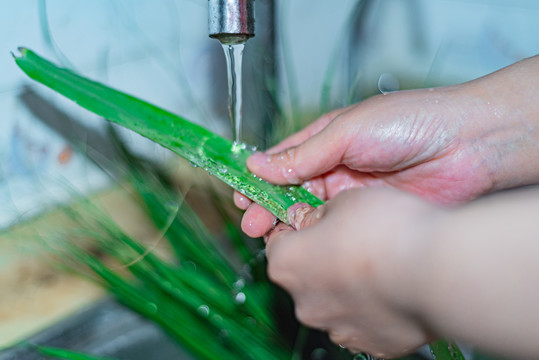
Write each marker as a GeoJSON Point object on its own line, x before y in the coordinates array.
{"type": "Point", "coordinates": [403, 281]}
{"type": "Point", "coordinates": [502, 124]}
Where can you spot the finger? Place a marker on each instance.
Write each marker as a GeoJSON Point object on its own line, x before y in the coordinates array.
{"type": "Point", "coordinates": [257, 221]}
{"type": "Point", "coordinates": [241, 201]}
{"type": "Point", "coordinates": [281, 255]}
{"type": "Point", "coordinates": [301, 216]}
{"type": "Point", "coordinates": [307, 132]}
{"type": "Point", "coordinates": [315, 156]}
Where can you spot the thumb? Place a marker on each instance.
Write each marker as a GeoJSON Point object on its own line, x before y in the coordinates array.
{"type": "Point", "coordinates": [315, 156]}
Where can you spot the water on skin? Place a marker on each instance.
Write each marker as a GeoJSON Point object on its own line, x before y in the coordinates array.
{"type": "Point", "coordinates": [234, 56]}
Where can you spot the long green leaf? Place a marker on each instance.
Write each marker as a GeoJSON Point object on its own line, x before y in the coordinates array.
{"type": "Point", "coordinates": [201, 147]}
{"type": "Point", "coordinates": [66, 354]}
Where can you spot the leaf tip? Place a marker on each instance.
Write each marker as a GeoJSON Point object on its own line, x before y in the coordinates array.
{"type": "Point", "coordinates": [22, 50]}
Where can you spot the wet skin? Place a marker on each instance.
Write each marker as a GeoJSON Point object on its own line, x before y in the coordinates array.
{"type": "Point", "coordinates": [400, 173]}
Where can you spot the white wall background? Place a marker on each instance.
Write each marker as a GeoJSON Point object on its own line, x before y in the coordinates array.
{"type": "Point", "coordinates": [159, 50]}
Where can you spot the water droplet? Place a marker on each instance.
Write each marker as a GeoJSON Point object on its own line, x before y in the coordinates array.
{"type": "Point", "coordinates": [223, 170]}
{"type": "Point", "coordinates": [261, 255]}
{"type": "Point", "coordinates": [152, 308]}
{"type": "Point", "coordinates": [436, 101]}
{"type": "Point", "coordinates": [203, 310]}
{"type": "Point", "coordinates": [190, 266]}
{"type": "Point", "coordinates": [388, 83]}
{"type": "Point", "coordinates": [240, 298]}
{"type": "Point", "coordinates": [193, 164]}
{"type": "Point", "coordinates": [253, 148]}
{"type": "Point", "coordinates": [239, 284]}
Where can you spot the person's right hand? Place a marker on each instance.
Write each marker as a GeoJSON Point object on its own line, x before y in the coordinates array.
{"type": "Point", "coordinates": [448, 145]}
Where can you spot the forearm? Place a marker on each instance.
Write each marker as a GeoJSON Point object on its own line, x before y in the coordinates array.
{"type": "Point", "coordinates": [478, 277]}
{"type": "Point", "coordinates": [505, 129]}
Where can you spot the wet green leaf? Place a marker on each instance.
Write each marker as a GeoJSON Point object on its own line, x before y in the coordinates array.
{"type": "Point", "coordinates": [207, 150]}
{"type": "Point", "coordinates": [66, 354]}
{"type": "Point", "coordinates": [445, 350]}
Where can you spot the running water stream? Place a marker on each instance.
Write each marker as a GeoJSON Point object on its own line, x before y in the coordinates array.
{"type": "Point", "coordinates": [234, 56]}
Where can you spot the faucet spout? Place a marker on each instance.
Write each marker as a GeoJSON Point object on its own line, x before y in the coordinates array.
{"type": "Point", "coordinates": [231, 21]}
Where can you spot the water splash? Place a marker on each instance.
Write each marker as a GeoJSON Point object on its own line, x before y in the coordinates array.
{"type": "Point", "coordinates": [234, 56]}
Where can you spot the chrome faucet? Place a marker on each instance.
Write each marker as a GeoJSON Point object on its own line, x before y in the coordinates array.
{"type": "Point", "coordinates": [231, 21]}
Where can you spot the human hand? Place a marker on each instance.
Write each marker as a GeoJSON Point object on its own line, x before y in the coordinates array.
{"type": "Point", "coordinates": [415, 141]}
{"type": "Point", "coordinates": [447, 145]}
{"type": "Point", "coordinates": [355, 279]}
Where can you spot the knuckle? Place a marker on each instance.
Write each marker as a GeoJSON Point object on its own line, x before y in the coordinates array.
{"type": "Point", "coordinates": [307, 316]}
{"type": "Point", "coordinates": [290, 171]}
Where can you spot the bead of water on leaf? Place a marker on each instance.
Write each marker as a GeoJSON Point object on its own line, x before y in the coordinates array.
{"type": "Point", "coordinates": [239, 284]}
{"type": "Point", "coordinates": [240, 298]}
{"type": "Point", "coordinates": [246, 272]}
{"type": "Point", "coordinates": [193, 164]}
{"type": "Point", "coordinates": [189, 265]}
{"type": "Point", "coordinates": [152, 308]}
{"type": "Point", "coordinates": [260, 255]}
{"type": "Point", "coordinates": [204, 310]}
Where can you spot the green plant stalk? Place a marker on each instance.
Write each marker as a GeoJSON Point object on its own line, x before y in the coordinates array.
{"type": "Point", "coordinates": [445, 350]}
{"type": "Point", "coordinates": [66, 354]}
{"type": "Point", "coordinates": [169, 294]}
{"type": "Point", "coordinates": [203, 148]}
{"type": "Point", "coordinates": [217, 155]}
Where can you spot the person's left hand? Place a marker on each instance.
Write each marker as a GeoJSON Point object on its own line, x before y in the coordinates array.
{"type": "Point", "coordinates": [349, 265]}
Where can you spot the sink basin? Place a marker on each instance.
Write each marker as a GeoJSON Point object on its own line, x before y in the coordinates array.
{"type": "Point", "coordinates": [104, 329]}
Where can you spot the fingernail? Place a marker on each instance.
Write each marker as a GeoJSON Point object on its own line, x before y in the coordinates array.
{"type": "Point", "coordinates": [296, 214]}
